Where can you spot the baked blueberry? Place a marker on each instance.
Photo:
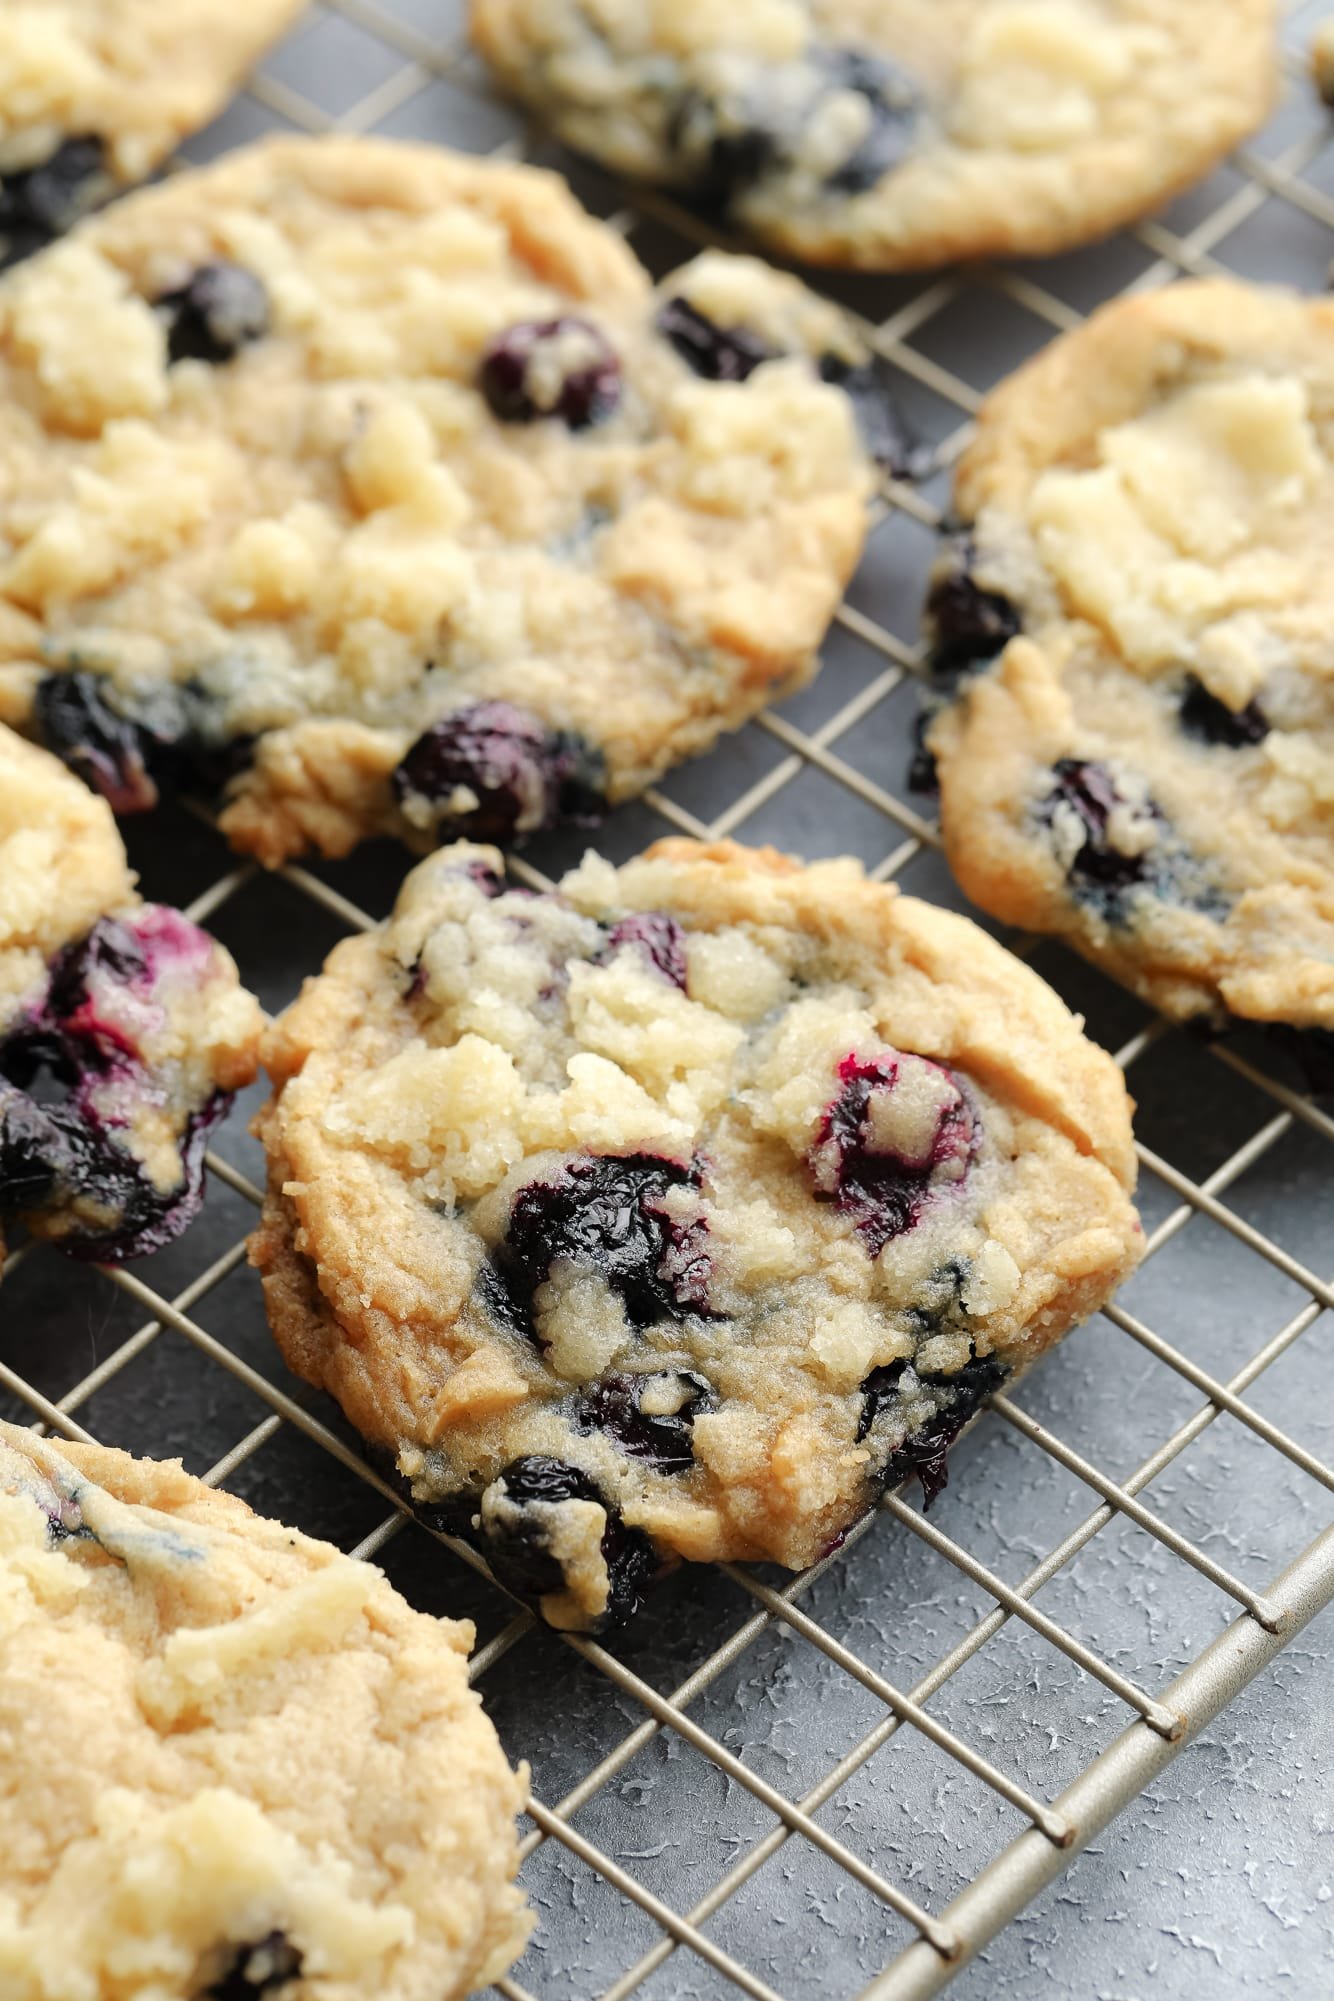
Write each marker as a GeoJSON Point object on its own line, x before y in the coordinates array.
{"type": "Point", "coordinates": [492, 771]}
{"type": "Point", "coordinates": [659, 937]}
{"type": "Point", "coordinates": [260, 1968]}
{"type": "Point", "coordinates": [866, 384]}
{"type": "Point", "coordinates": [530, 1548]}
{"type": "Point", "coordinates": [1106, 842]}
{"type": "Point", "coordinates": [894, 105]}
{"type": "Point", "coordinates": [42, 201]}
{"type": "Point", "coordinates": [647, 1417]}
{"type": "Point", "coordinates": [606, 1214]}
{"type": "Point", "coordinates": [1211, 721]}
{"type": "Point", "coordinates": [966, 625]}
{"type": "Point", "coordinates": [561, 368]}
{"type": "Point", "coordinates": [220, 309]}
{"type": "Point", "coordinates": [718, 354]}
{"type": "Point", "coordinates": [899, 1132]}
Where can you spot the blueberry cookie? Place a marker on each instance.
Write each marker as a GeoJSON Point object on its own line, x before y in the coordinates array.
{"type": "Point", "coordinates": [1134, 637]}
{"type": "Point", "coordinates": [376, 484]}
{"type": "Point", "coordinates": [123, 1029]}
{"type": "Point", "coordinates": [95, 93]}
{"type": "Point", "coordinates": [236, 1762]}
{"type": "Point", "coordinates": [677, 1214]}
{"type": "Point", "coordinates": [904, 133]}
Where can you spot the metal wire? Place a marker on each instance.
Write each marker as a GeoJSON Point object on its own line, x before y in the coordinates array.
{"type": "Point", "coordinates": [1162, 1720]}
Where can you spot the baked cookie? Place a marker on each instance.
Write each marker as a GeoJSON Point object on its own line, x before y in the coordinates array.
{"type": "Point", "coordinates": [236, 1762]}
{"type": "Point", "coordinates": [1137, 625]}
{"type": "Point", "coordinates": [95, 93]}
{"type": "Point", "coordinates": [383, 474]}
{"type": "Point", "coordinates": [892, 134]}
{"type": "Point", "coordinates": [135, 1011]}
{"type": "Point", "coordinates": [677, 1214]}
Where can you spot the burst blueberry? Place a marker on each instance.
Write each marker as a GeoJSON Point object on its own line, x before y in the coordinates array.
{"type": "Point", "coordinates": [561, 368]}
{"type": "Point", "coordinates": [659, 937]}
{"type": "Point", "coordinates": [518, 1533]}
{"type": "Point", "coordinates": [606, 1214]}
{"type": "Point", "coordinates": [966, 624]}
{"type": "Point", "coordinates": [924, 1452]}
{"type": "Point", "coordinates": [1211, 721]}
{"type": "Point", "coordinates": [491, 771]}
{"type": "Point", "coordinates": [893, 108]}
{"type": "Point", "coordinates": [41, 202]}
{"type": "Point", "coordinates": [1088, 791]}
{"type": "Point", "coordinates": [647, 1417]}
{"type": "Point", "coordinates": [220, 309]}
{"type": "Point", "coordinates": [899, 1132]}
{"type": "Point", "coordinates": [718, 354]}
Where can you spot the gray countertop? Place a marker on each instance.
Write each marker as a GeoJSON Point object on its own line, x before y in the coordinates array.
{"type": "Point", "coordinates": [1219, 1879]}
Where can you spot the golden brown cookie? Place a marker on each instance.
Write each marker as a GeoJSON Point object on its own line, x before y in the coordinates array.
{"type": "Point", "coordinates": [236, 1762]}
{"type": "Point", "coordinates": [678, 1214]}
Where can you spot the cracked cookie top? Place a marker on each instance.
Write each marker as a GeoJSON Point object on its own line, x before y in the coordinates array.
{"type": "Point", "coordinates": [904, 133]}
{"type": "Point", "coordinates": [367, 482]}
{"type": "Point", "coordinates": [238, 1763]}
{"type": "Point", "coordinates": [1134, 640]}
{"type": "Point", "coordinates": [675, 1214]}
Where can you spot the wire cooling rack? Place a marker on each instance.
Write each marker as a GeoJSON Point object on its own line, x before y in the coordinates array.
{"type": "Point", "coordinates": [847, 1783]}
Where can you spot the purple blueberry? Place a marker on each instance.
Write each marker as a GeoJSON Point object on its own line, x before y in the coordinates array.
{"type": "Point", "coordinates": [659, 937]}
{"type": "Point", "coordinates": [924, 1451]}
{"type": "Point", "coordinates": [41, 202]}
{"type": "Point", "coordinates": [882, 1189]}
{"type": "Point", "coordinates": [258, 1968]}
{"type": "Point", "coordinates": [615, 1406]}
{"type": "Point", "coordinates": [718, 354]}
{"type": "Point", "coordinates": [605, 1214]}
{"type": "Point", "coordinates": [1211, 721]}
{"type": "Point", "coordinates": [560, 368]}
{"type": "Point", "coordinates": [492, 772]}
{"type": "Point", "coordinates": [220, 309]}
{"type": "Point", "coordinates": [520, 1553]}
{"type": "Point", "coordinates": [895, 105]}
{"type": "Point", "coordinates": [78, 718]}
{"type": "Point", "coordinates": [1090, 790]}
{"type": "Point", "coordinates": [966, 625]}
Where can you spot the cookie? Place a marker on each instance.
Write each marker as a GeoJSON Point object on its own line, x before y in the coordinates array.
{"type": "Point", "coordinates": [236, 1762]}
{"type": "Point", "coordinates": [94, 94]}
{"type": "Point", "coordinates": [367, 475]}
{"type": "Point", "coordinates": [680, 1213]}
{"type": "Point", "coordinates": [1137, 628]}
{"type": "Point", "coordinates": [132, 1009]}
{"type": "Point", "coordinates": [904, 134]}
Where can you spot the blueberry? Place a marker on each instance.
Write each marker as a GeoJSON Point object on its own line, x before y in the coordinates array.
{"type": "Point", "coordinates": [894, 107]}
{"type": "Point", "coordinates": [41, 202]}
{"type": "Point", "coordinates": [560, 368]}
{"type": "Point", "coordinates": [261, 1968]}
{"type": "Point", "coordinates": [39, 1152]}
{"type": "Point", "coordinates": [604, 1212]}
{"type": "Point", "coordinates": [492, 771]}
{"type": "Point", "coordinates": [1091, 791]}
{"type": "Point", "coordinates": [79, 719]}
{"type": "Point", "coordinates": [718, 354]}
{"type": "Point", "coordinates": [1204, 716]}
{"type": "Point", "coordinates": [520, 1552]}
{"type": "Point", "coordinates": [924, 1452]}
{"type": "Point", "coordinates": [110, 951]}
{"type": "Point", "coordinates": [727, 143]}
{"type": "Point", "coordinates": [219, 309]}
{"type": "Point", "coordinates": [866, 384]}
{"type": "Point", "coordinates": [615, 1406]}
{"type": "Point", "coordinates": [882, 1190]}
{"type": "Point", "coordinates": [966, 625]}
{"type": "Point", "coordinates": [659, 937]}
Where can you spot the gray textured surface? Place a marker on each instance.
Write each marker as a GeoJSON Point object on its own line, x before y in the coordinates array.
{"type": "Point", "coordinates": [1220, 1880]}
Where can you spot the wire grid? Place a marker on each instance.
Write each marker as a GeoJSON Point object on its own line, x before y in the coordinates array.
{"type": "Point", "coordinates": [821, 774]}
